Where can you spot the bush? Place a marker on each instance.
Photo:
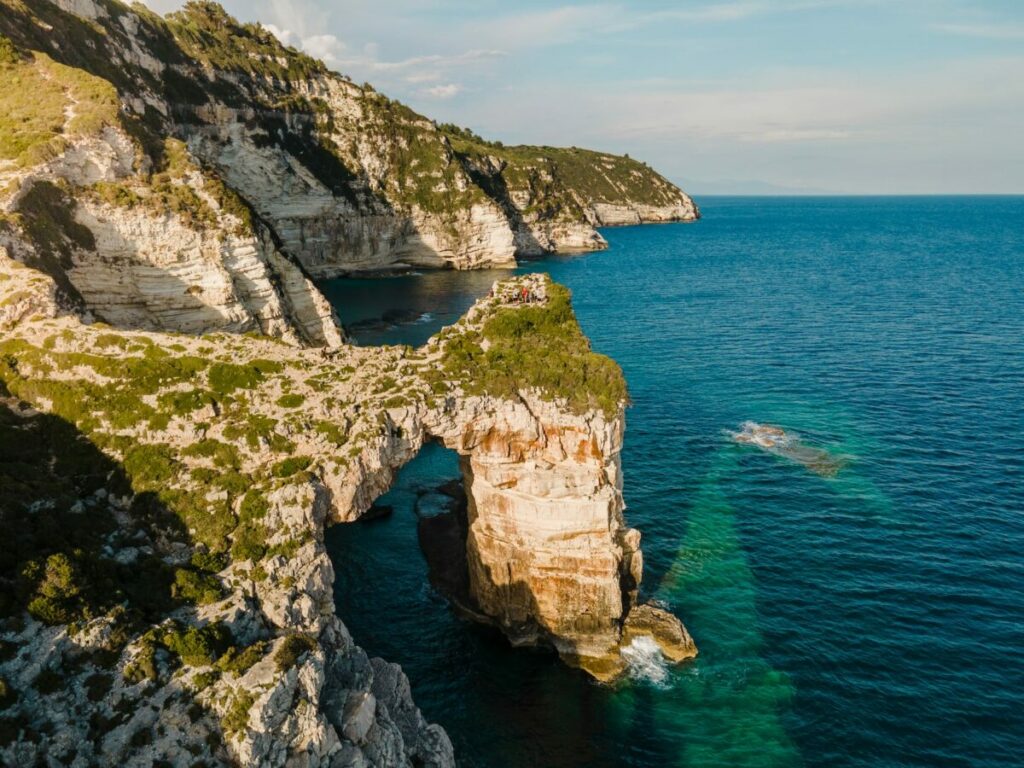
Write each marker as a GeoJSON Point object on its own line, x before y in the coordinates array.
{"type": "Point", "coordinates": [150, 466]}
{"type": "Point", "coordinates": [98, 685]}
{"type": "Point", "coordinates": [236, 719]}
{"type": "Point", "coordinates": [223, 455]}
{"type": "Point", "coordinates": [197, 646]}
{"type": "Point", "coordinates": [291, 650]}
{"type": "Point", "coordinates": [194, 587]}
{"type": "Point", "coordinates": [240, 661]}
{"type": "Point", "coordinates": [143, 666]}
{"type": "Point", "coordinates": [290, 466]}
{"type": "Point", "coordinates": [249, 542]}
{"type": "Point", "coordinates": [48, 682]}
{"type": "Point", "coordinates": [291, 400]}
{"type": "Point", "coordinates": [225, 378]}
{"type": "Point", "coordinates": [537, 347]}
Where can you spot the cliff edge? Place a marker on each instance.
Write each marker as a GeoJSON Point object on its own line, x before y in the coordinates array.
{"type": "Point", "coordinates": [168, 592]}
{"type": "Point", "coordinates": [329, 175]}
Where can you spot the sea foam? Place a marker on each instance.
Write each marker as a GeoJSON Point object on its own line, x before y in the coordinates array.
{"type": "Point", "coordinates": [646, 662]}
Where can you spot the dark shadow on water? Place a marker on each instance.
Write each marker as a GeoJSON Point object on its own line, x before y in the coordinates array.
{"type": "Point", "coordinates": [503, 706]}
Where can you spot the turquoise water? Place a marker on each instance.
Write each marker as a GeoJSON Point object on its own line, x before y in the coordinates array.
{"type": "Point", "coordinates": [875, 618]}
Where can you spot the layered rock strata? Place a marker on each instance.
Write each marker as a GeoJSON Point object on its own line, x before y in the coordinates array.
{"type": "Point", "coordinates": [344, 179]}
{"type": "Point", "coordinates": [233, 652]}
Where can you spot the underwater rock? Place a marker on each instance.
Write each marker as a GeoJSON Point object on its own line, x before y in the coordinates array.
{"type": "Point", "coordinates": [788, 445]}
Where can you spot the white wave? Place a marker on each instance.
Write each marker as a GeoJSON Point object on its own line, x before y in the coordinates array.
{"type": "Point", "coordinates": [426, 317]}
{"type": "Point", "coordinates": [646, 662]}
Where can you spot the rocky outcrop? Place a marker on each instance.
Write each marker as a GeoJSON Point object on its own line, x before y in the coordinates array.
{"type": "Point", "coordinates": [345, 179]}
{"type": "Point", "coordinates": [156, 272]}
{"type": "Point", "coordinates": [253, 447]}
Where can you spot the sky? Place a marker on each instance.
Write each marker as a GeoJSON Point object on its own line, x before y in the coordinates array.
{"type": "Point", "coordinates": [721, 96]}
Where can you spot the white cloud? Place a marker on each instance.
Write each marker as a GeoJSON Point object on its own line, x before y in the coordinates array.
{"type": "Point", "coordinates": [328, 48]}
{"type": "Point", "coordinates": [986, 31]}
{"type": "Point", "coordinates": [437, 61]}
{"type": "Point", "coordinates": [446, 91]}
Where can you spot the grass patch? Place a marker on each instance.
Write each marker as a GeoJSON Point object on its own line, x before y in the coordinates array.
{"type": "Point", "coordinates": [36, 92]}
{"type": "Point", "coordinates": [536, 347]}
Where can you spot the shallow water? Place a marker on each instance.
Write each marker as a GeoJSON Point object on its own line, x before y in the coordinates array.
{"type": "Point", "coordinates": [870, 618]}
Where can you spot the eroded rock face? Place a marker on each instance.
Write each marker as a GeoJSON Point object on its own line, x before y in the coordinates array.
{"type": "Point", "coordinates": [154, 272]}
{"type": "Point", "coordinates": [346, 179]}
{"type": "Point", "coordinates": [305, 438]}
{"type": "Point", "coordinates": [545, 519]}
{"type": "Point", "coordinates": [550, 557]}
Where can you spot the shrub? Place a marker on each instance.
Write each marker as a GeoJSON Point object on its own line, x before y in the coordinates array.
{"type": "Point", "coordinates": [291, 650]}
{"type": "Point", "coordinates": [98, 685]}
{"type": "Point", "coordinates": [249, 542]}
{"type": "Point", "coordinates": [143, 665]}
{"type": "Point", "coordinates": [293, 400]}
{"type": "Point", "coordinates": [197, 646]}
{"type": "Point", "coordinates": [150, 465]}
{"type": "Point", "coordinates": [240, 661]}
{"type": "Point", "coordinates": [225, 378]}
{"type": "Point", "coordinates": [290, 466]}
{"type": "Point", "coordinates": [48, 682]}
{"type": "Point", "coordinates": [194, 587]}
{"type": "Point", "coordinates": [539, 347]}
{"type": "Point", "coordinates": [333, 432]}
{"type": "Point", "coordinates": [204, 680]}
{"type": "Point", "coordinates": [254, 506]}
{"type": "Point", "coordinates": [223, 455]}
{"type": "Point", "coordinates": [184, 403]}
{"type": "Point", "coordinates": [236, 719]}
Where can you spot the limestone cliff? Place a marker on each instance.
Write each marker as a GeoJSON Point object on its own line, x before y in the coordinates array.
{"type": "Point", "coordinates": [340, 178]}
{"type": "Point", "coordinates": [185, 610]}
{"type": "Point", "coordinates": [173, 445]}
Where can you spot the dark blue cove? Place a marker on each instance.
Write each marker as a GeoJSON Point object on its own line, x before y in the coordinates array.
{"type": "Point", "coordinates": [869, 617]}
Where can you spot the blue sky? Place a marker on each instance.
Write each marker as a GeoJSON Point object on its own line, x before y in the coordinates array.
{"type": "Point", "coordinates": [856, 96]}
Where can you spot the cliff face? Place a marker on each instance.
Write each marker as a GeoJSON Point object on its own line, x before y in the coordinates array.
{"type": "Point", "coordinates": [166, 480]}
{"type": "Point", "coordinates": [191, 478]}
{"type": "Point", "coordinates": [343, 178]}
{"type": "Point", "coordinates": [555, 198]}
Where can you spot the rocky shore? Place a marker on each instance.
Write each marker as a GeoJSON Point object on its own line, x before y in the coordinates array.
{"type": "Point", "coordinates": [255, 446]}
{"type": "Point", "coordinates": [181, 416]}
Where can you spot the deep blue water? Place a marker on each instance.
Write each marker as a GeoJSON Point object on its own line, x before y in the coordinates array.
{"type": "Point", "coordinates": [875, 618]}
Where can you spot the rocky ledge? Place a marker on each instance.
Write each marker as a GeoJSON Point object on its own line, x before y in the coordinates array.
{"type": "Point", "coordinates": [184, 611]}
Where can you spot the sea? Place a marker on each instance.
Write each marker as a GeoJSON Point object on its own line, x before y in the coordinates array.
{"type": "Point", "coordinates": [865, 610]}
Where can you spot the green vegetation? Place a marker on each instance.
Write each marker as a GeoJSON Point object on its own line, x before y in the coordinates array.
{"type": "Point", "coordinates": [52, 562]}
{"type": "Point", "coordinates": [538, 347]}
{"type": "Point", "coordinates": [168, 192]}
{"type": "Point", "coordinates": [195, 587]}
{"type": "Point", "coordinates": [291, 650]}
{"type": "Point", "coordinates": [556, 177]}
{"type": "Point", "coordinates": [184, 403]}
{"type": "Point", "coordinates": [197, 646]}
{"type": "Point", "coordinates": [237, 718]}
{"type": "Point", "coordinates": [239, 661]}
{"type": "Point", "coordinates": [290, 466]}
{"type": "Point", "coordinates": [225, 378]}
{"type": "Point", "coordinates": [43, 103]}
{"type": "Point", "coordinates": [208, 34]}
{"type": "Point", "coordinates": [291, 401]}
{"type": "Point", "coordinates": [224, 456]}
{"type": "Point", "coordinates": [334, 433]}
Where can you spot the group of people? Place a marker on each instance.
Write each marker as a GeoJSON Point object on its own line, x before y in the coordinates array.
{"type": "Point", "coordinates": [524, 295]}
